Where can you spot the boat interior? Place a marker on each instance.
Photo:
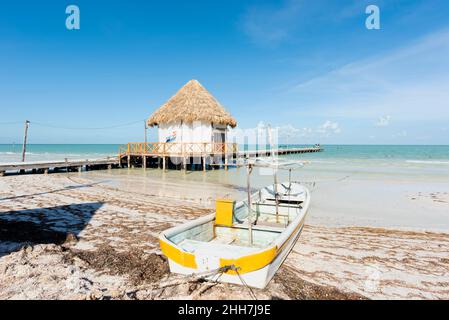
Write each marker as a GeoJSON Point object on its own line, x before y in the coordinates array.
{"type": "Point", "coordinates": [269, 221]}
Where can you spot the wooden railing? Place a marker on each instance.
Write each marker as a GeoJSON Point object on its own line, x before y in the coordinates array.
{"type": "Point", "coordinates": [175, 148]}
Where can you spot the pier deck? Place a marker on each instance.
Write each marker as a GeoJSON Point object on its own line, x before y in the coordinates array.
{"type": "Point", "coordinates": [282, 151]}
{"type": "Point", "coordinates": [182, 155]}
{"type": "Point", "coordinates": [156, 154]}
{"type": "Point", "coordinates": [69, 165]}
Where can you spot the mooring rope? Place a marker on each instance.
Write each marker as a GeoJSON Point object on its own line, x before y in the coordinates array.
{"type": "Point", "coordinates": [251, 292]}
{"type": "Point", "coordinates": [212, 273]}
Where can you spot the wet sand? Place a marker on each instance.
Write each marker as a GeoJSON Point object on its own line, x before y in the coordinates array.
{"type": "Point", "coordinates": [80, 231]}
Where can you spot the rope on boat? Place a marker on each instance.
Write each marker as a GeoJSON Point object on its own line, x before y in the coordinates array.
{"type": "Point", "coordinates": [251, 292]}
{"type": "Point", "coordinates": [220, 271]}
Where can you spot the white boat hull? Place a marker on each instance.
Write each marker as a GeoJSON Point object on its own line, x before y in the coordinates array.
{"type": "Point", "coordinates": [256, 265]}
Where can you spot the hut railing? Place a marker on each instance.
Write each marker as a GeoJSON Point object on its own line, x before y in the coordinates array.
{"type": "Point", "coordinates": [175, 148]}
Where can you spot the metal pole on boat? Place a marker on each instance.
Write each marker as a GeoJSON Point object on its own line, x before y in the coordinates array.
{"type": "Point", "coordinates": [276, 193]}
{"type": "Point", "coordinates": [289, 178]}
{"type": "Point", "coordinates": [250, 214]}
{"type": "Point", "coordinates": [275, 187]}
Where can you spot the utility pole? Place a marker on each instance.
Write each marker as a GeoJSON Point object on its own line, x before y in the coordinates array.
{"type": "Point", "coordinates": [146, 128]}
{"type": "Point", "coordinates": [25, 137]}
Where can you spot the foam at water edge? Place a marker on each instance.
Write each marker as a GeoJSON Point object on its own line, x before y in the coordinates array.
{"type": "Point", "coordinates": [427, 161]}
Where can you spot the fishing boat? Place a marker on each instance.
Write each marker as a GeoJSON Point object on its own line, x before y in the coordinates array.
{"type": "Point", "coordinates": [243, 242]}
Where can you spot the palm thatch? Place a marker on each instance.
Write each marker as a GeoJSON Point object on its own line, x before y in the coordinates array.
{"type": "Point", "coordinates": [192, 103]}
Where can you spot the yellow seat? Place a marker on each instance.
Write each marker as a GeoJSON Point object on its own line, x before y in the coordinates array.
{"type": "Point", "coordinates": [224, 212]}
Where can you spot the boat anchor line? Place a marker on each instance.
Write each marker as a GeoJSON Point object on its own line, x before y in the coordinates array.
{"type": "Point", "coordinates": [218, 272]}
{"type": "Point", "coordinates": [221, 271]}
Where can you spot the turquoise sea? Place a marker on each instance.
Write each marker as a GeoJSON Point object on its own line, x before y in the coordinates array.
{"type": "Point", "coordinates": [38, 152]}
{"type": "Point", "coordinates": [436, 154]}
{"type": "Point", "coordinates": [351, 184]}
{"type": "Point", "coordinates": [402, 160]}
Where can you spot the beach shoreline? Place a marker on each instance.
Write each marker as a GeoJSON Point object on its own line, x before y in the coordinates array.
{"type": "Point", "coordinates": [361, 261]}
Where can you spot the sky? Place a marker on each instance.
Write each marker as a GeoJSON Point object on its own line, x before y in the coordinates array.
{"type": "Point", "coordinates": [310, 68]}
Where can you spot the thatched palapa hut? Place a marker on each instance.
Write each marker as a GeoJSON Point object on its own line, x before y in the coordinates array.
{"type": "Point", "coordinates": [192, 115]}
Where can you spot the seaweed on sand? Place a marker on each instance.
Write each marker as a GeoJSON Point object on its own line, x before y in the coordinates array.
{"type": "Point", "coordinates": [140, 267]}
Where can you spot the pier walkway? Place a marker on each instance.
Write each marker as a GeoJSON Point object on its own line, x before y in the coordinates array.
{"type": "Point", "coordinates": [159, 155]}
{"type": "Point", "coordinates": [182, 155]}
{"type": "Point", "coordinates": [68, 165]}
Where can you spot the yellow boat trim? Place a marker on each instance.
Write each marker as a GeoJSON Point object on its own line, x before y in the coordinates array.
{"type": "Point", "coordinates": [251, 262]}
{"type": "Point", "coordinates": [183, 258]}
{"type": "Point", "coordinates": [245, 264]}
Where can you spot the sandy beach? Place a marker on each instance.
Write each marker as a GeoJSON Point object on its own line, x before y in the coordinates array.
{"type": "Point", "coordinates": [94, 236]}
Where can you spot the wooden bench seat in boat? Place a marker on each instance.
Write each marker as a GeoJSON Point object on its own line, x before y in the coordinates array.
{"type": "Point", "coordinates": [270, 224]}
{"type": "Point", "coordinates": [261, 227]}
{"type": "Point", "coordinates": [272, 203]}
{"type": "Point", "coordinates": [225, 250]}
{"type": "Point", "coordinates": [285, 201]}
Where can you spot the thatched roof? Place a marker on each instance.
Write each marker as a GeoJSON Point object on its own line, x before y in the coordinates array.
{"type": "Point", "coordinates": [192, 103]}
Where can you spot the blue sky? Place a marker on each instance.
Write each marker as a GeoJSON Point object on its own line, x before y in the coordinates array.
{"type": "Point", "coordinates": [310, 68]}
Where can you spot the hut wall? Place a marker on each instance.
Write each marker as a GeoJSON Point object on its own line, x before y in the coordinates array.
{"type": "Point", "coordinates": [186, 132]}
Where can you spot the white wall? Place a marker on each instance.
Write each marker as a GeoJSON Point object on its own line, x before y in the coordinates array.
{"type": "Point", "coordinates": [193, 132]}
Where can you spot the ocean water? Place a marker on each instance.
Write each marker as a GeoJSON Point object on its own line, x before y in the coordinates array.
{"type": "Point", "coordinates": [380, 152]}
{"type": "Point", "coordinates": [362, 185]}
{"type": "Point", "coordinates": [430, 153]}
{"type": "Point", "coordinates": [381, 186]}
{"type": "Point", "coordinates": [335, 161]}
{"type": "Point", "coordinates": [42, 152]}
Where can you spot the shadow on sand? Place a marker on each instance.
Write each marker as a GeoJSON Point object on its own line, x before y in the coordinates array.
{"type": "Point", "coordinates": [52, 191]}
{"type": "Point", "coordinates": [43, 225]}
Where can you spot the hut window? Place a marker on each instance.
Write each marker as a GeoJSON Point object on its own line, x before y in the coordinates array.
{"type": "Point", "coordinates": [219, 135]}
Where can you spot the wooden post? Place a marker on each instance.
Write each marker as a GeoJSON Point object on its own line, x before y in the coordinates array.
{"type": "Point", "coordinates": [25, 138]}
{"type": "Point", "coordinates": [129, 161]}
{"type": "Point", "coordinates": [204, 163]}
{"type": "Point", "coordinates": [184, 163]}
{"type": "Point", "coordinates": [2, 173]}
{"type": "Point", "coordinates": [226, 162]}
{"type": "Point", "coordinates": [46, 171]}
{"type": "Point", "coordinates": [164, 164]}
{"type": "Point", "coordinates": [144, 164]}
{"type": "Point", "coordinates": [80, 169]}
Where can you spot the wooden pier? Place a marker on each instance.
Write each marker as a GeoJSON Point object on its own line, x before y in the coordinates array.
{"type": "Point", "coordinates": [157, 155]}
{"type": "Point", "coordinates": [68, 165]}
{"type": "Point", "coordinates": [195, 155]}
{"type": "Point", "coordinates": [285, 151]}
{"type": "Point", "coordinates": [176, 155]}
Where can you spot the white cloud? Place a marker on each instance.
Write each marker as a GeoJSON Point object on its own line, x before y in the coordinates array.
{"type": "Point", "coordinates": [401, 134]}
{"type": "Point", "coordinates": [325, 130]}
{"type": "Point", "coordinates": [408, 83]}
{"type": "Point", "coordinates": [287, 133]}
{"type": "Point", "coordinates": [383, 121]}
{"type": "Point", "coordinates": [328, 128]}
